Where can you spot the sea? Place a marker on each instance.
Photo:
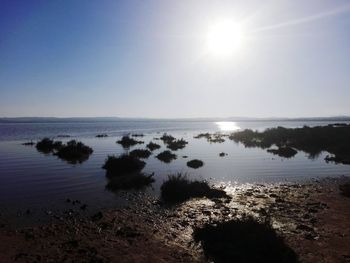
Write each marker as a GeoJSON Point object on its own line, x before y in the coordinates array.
{"type": "Point", "coordinates": [36, 184]}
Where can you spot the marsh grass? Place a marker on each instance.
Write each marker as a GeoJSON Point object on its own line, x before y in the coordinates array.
{"type": "Point", "coordinates": [195, 164]}
{"type": "Point", "coordinates": [127, 142]}
{"type": "Point", "coordinates": [47, 145]}
{"type": "Point", "coordinates": [244, 240]}
{"type": "Point", "coordinates": [178, 188]}
{"type": "Point", "coordinates": [123, 164]}
{"type": "Point", "coordinates": [74, 152]}
{"type": "Point", "coordinates": [177, 144]}
{"type": "Point", "coordinates": [153, 146]}
{"type": "Point", "coordinates": [166, 156]}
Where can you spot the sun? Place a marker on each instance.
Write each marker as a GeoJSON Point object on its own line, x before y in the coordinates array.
{"type": "Point", "coordinates": [224, 38]}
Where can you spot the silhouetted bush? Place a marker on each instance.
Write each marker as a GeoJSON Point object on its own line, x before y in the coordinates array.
{"type": "Point", "coordinates": [166, 138]}
{"type": "Point", "coordinates": [177, 144]}
{"type": "Point", "coordinates": [153, 146]}
{"type": "Point", "coordinates": [74, 152]}
{"type": "Point", "coordinates": [103, 135]}
{"type": "Point", "coordinates": [47, 145]}
{"type": "Point", "coordinates": [345, 189]}
{"type": "Point", "coordinates": [129, 181]}
{"type": "Point", "coordinates": [286, 152]}
{"type": "Point", "coordinates": [243, 241]}
{"type": "Point", "coordinates": [31, 143]}
{"type": "Point", "coordinates": [195, 163]}
{"type": "Point", "coordinates": [222, 154]}
{"type": "Point", "coordinates": [137, 135]}
{"type": "Point", "coordinates": [334, 139]}
{"type": "Point", "coordinates": [126, 142]}
{"type": "Point", "coordinates": [140, 153]}
{"type": "Point", "coordinates": [212, 138]}
{"type": "Point", "coordinates": [179, 189]}
{"type": "Point", "coordinates": [166, 156]}
{"type": "Point", "coordinates": [124, 164]}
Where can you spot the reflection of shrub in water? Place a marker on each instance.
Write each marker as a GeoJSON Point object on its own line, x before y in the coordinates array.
{"type": "Point", "coordinates": [123, 164]}
{"type": "Point", "coordinates": [140, 153]}
{"type": "Point", "coordinates": [243, 240]}
{"type": "Point", "coordinates": [166, 156]}
{"type": "Point", "coordinates": [74, 152]}
{"type": "Point", "coordinates": [126, 142]}
{"type": "Point", "coordinates": [178, 188]}
{"type": "Point", "coordinates": [286, 152]}
{"type": "Point", "coordinates": [129, 181]}
{"type": "Point", "coordinates": [153, 146]}
{"type": "Point", "coordinates": [195, 164]}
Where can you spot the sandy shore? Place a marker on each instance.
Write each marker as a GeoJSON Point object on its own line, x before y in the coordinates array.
{"type": "Point", "coordinates": [313, 218]}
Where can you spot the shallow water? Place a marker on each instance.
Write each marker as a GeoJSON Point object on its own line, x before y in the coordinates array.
{"type": "Point", "coordinates": [39, 182]}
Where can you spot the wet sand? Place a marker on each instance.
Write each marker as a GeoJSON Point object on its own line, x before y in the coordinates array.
{"type": "Point", "coordinates": [313, 218]}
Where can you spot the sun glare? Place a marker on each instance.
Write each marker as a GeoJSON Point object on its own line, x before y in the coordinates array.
{"type": "Point", "coordinates": [224, 38]}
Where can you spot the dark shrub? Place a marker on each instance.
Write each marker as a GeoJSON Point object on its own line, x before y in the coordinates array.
{"type": "Point", "coordinates": [212, 138]}
{"type": "Point", "coordinates": [126, 142]}
{"type": "Point", "coordinates": [129, 181]}
{"type": "Point", "coordinates": [166, 156]}
{"type": "Point", "coordinates": [345, 189]}
{"type": "Point", "coordinates": [195, 163]}
{"type": "Point", "coordinates": [124, 164]}
{"type": "Point", "coordinates": [31, 143]}
{"type": "Point", "coordinates": [222, 154]}
{"type": "Point", "coordinates": [140, 153]}
{"type": "Point", "coordinates": [167, 138]}
{"type": "Point", "coordinates": [137, 135]}
{"type": "Point", "coordinates": [179, 189]}
{"type": "Point", "coordinates": [47, 145]}
{"type": "Point", "coordinates": [103, 135]}
{"type": "Point", "coordinates": [74, 152]}
{"type": "Point", "coordinates": [153, 146]}
{"type": "Point", "coordinates": [243, 241]}
{"type": "Point", "coordinates": [286, 152]}
{"type": "Point", "coordinates": [177, 144]}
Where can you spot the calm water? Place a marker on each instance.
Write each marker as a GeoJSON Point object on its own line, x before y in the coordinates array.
{"type": "Point", "coordinates": [30, 179]}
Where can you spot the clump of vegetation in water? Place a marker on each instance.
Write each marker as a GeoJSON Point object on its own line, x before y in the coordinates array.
{"type": "Point", "coordinates": [127, 142]}
{"type": "Point", "coordinates": [345, 189]}
{"type": "Point", "coordinates": [103, 135]}
{"type": "Point", "coordinates": [129, 181]}
{"type": "Point", "coordinates": [283, 151]}
{"type": "Point", "coordinates": [74, 152]}
{"type": "Point", "coordinates": [222, 154]}
{"type": "Point", "coordinates": [31, 143]}
{"type": "Point", "coordinates": [212, 138]}
{"type": "Point", "coordinates": [195, 164]}
{"type": "Point", "coordinates": [137, 135]}
{"type": "Point", "coordinates": [63, 136]}
{"type": "Point", "coordinates": [153, 146]}
{"type": "Point", "coordinates": [166, 156]}
{"type": "Point", "coordinates": [124, 164]}
{"type": "Point", "coordinates": [140, 153]}
{"type": "Point", "coordinates": [334, 139]}
{"type": "Point", "coordinates": [47, 145]}
{"type": "Point", "coordinates": [243, 240]}
{"type": "Point", "coordinates": [177, 144]}
{"type": "Point", "coordinates": [166, 138]}
{"type": "Point", "coordinates": [178, 188]}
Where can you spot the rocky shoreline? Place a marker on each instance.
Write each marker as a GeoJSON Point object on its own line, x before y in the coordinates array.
{"type": "Point", "coordinates": [313, 218]}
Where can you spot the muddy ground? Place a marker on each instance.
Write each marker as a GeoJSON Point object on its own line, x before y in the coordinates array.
{"type": "Point", "coordinates": [313, 218]}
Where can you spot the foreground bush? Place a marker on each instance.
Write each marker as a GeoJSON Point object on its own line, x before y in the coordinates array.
{"type": "Point", "coordinates": [74, 152]}
{"type": "Point", "coordinates": [127, 142]}
{"type": "Point", "coordinates": [179, 189]}
{"type": "Point", "coordinates": [243, 241]}
{"type": "Point", "coordinates": [124, 164]}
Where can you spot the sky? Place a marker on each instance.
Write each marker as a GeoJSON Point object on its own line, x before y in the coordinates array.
{"type": "Point", "coordinates": [151, 58]}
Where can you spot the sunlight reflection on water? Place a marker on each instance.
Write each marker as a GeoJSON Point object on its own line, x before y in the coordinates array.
{"type": "Point", "coordinates": [227, 125]}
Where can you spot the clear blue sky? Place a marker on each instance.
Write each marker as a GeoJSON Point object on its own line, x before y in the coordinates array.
{"type": "Point", "coordinates": [149, 59]}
